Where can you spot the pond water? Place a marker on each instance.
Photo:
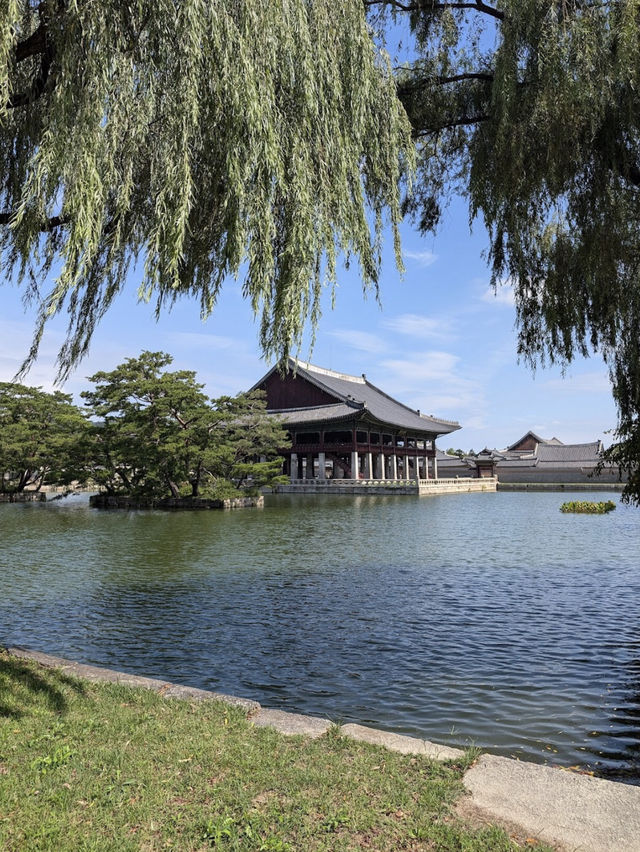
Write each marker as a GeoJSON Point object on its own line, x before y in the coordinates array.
{"type": "Point", "coordinates": [490, 619]}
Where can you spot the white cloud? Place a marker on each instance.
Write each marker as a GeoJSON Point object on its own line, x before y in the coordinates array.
{"type": "Point", "coordinates": [478, 422]}
{"type": "Point", "coordinates": [364, 341]}
{"type": "Point", "coordinates": [503, 295]}
{"type": "Point", "coordinates": [433, 381]}
{"type": "Point", "coordinates": [422, 258]}
{"type": "Point", "coordinates": [418, 325]}
{"type": "Point", "coordinates": [593, 382]}
{"type": "Point", "coordinates": [423, 366]}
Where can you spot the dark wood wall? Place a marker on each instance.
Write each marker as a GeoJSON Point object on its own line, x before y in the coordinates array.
{"type": "Point", "coordinates": [528, 442]}
{"type": "Point", "coordinates": [293, 392]}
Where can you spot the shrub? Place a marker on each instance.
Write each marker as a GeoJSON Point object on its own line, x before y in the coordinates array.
{"type": "Point", "coordinates": [584, 507]}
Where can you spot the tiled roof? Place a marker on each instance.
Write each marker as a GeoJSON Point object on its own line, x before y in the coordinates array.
{"type": "Point", "coordinates": [357, 392]}
{"type": "Point", "coordinates": [316, 413]}
{"type": "Point", "coordinates": [560, 454]}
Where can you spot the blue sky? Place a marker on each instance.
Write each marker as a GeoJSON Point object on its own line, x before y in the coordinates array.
{"type": "Point", "coordinates": [440, 341]}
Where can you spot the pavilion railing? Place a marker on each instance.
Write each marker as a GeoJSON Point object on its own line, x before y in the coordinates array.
{"type": "Point", "coordinates": [334, 483]}
{"type": "Point", "coordinates": [388, 483]}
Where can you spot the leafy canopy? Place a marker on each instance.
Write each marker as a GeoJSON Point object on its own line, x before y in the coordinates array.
{"type": "Point", "coordinates": [531, 109]}
{"type": "Point", "coordinates": [41, 438]}
{"type": "Point", "coordinates": [156, 434]}
{"type": "Point", "coordinates": [198, 138]}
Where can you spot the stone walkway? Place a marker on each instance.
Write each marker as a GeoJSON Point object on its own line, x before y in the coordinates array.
{"type": "Point", "coordinates": [572, 812]}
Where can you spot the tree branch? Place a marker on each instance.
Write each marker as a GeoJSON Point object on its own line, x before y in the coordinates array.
{"type": "Point", "coordinates": [38, 86]}
{"type": "Point", "coordinates": [37, 44]}
{"type": "Point", "coordinates": [455, 122]}
{"type": "Point", "coordinates": [48, 225]}
{"type": "Point", "coordinates": [457, 78]}
{"type": "Point", "coordinates": [34, 44]}
{"type": "Point", "coordinates": [478, 6]}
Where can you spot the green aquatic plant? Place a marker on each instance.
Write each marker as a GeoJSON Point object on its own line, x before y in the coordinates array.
{"type": "Point", "coordinates": [585, 507]}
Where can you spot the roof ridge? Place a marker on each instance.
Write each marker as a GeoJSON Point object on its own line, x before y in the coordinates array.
{"type": "Point", "coordinates": [325, 371]}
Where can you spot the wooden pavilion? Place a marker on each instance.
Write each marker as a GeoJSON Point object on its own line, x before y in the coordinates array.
{"type": "Point", "coordinates": [343, 427]}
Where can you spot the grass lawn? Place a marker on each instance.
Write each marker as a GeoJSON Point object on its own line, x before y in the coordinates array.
{"type": "Point", "coordinates": [92, 766]}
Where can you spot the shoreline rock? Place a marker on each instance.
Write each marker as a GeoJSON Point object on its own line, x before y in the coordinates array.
{"type": "Point", "coordinates": [111, 501]}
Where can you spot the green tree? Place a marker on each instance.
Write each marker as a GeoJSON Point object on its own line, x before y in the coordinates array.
{"type": "Point", "coordinates": [156, 433]}
{"type": "Point", "coordinates": [531, 109]}
{"type": "Point", "coordinates": [195, 140]}
{"type": "Point", "coordinates": [41, 439]}
{"type": "Point", "coordinates": [248, 441]}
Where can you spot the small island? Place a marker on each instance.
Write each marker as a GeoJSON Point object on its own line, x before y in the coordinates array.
{"type": "Point", "coordinates": [586, 507]}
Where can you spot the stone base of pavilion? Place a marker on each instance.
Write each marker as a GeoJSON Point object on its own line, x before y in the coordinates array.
{"type": "Point", "coordinates": [421, 487]}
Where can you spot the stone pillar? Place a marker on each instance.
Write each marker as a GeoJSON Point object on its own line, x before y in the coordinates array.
{"type": "Point", "coordinates": [417, 469]}
{"type": "Point", "coordinates": [394, 466]}
{"type": "Point", "coordinates": [406, 467]}
{"type": "Point", "coordinates": [310, 473]}
{"type": "Point", "coordinates": [355, 462]}
{"type": "Point", "coordinates": [426, 467]}
{"type": "Point", "coordinates": [321, 469]}
{"type": "Point", "coordinates": [435, 467]}
{"type": "Point", "coordinates": [380, 471]}
{"type": "Point", "coordinates": [368, 474]}
{"type": "Point", "coordinates": [293, 467]}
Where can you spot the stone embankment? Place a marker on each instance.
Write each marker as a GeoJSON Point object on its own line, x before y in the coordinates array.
{"type": "Point", "coordinates": [375, 487]}
{"type": "Point", "coordinates": [561, 486]}
{"type": "Point", "coordinates": [110, 501]}
{"type": "Point", "coordinates": [566, 810]}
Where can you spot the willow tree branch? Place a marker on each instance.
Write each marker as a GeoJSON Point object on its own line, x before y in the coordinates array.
{"type": "Point", "coordinates": [37, 44]}
{"type": "Point", "coordinates": [457, 78]}
{"type": "Point", "coordinates": [462, 121]}
{"type": "Point", "coordinates": [406, 6]}
{"type": "Point", "coordinates": [48, 225]}
{"type": "Point", "coordinates": [37, 88]}
{"type": "Point", "coordinates": [31, 46]}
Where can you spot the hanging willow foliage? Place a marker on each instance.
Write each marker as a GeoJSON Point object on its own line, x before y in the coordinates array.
{"type": "Point", "coordinates": [201, 138]}
{"type": "Point", "coordinates": [531, 108]}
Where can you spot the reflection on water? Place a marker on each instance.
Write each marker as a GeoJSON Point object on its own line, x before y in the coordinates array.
{"type": "Point", "coordinates": [484, 618]}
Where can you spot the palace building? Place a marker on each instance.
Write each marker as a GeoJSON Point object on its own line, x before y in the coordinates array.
{"type": "Point", "coordinates": [533, 460]}
{"type": "Point", "coordinates": [344, 428]}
